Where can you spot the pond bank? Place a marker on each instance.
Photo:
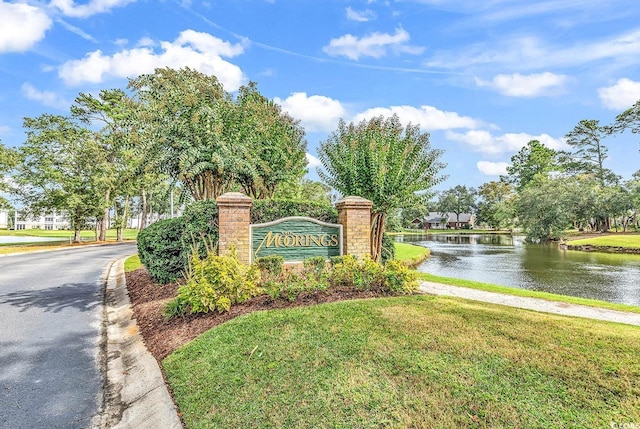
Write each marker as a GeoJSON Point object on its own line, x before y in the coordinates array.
{"type": "Point", "coordinates": [603, 249]}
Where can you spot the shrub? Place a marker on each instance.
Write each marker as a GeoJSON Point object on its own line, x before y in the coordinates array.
{"type": "Point", "coordinates": [165, 246]}
{"type": "Point", "coordinates": [263, 211]}
{"type": "Point", "coordinates": [214, 283]}
{"type": "Point", "coordinates": [270, 267]}
{"type": "Point", "coordinates": [398, 278]}
{"type": "Point", "coordinates": [161, 250]}
{"type": "Point", "coordinates": [201, 226]}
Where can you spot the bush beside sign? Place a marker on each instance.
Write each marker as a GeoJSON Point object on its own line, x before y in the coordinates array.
{"type": "Point", "coordinates": [295, 239]}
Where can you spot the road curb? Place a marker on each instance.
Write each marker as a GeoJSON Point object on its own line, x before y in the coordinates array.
{"type": "Point", "coordinates": [136, 395]}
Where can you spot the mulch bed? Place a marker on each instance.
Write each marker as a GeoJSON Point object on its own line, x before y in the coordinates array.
{"type": "Point", "coordinates": [164, 336]}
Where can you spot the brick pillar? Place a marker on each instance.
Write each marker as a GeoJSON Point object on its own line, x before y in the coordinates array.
{"type": "Point", "coordinates": [354, 214]}
{"type": "Point", "coordinates": [233, 223]}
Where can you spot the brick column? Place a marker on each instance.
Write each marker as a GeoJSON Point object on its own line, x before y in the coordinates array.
{"type": "Point", "coordinates": [354, 214]}
{"type": "Point", "coordinates": [233, 224]}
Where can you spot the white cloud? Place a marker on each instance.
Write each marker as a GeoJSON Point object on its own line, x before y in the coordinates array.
{"type": "Point", "coordinates": [429, 117]}
{"type": "Point", "coordinates": [200, 51]}
{"type": "Point", "coordinates": [70, 8]}
{"type": "Point", "coordinates": [484, 142]}
{"type": "Point", "coordinates": [360, 16]}
{"type": "Point", "coordinates": [530, 52]}
{"type": "Point", "coordinates": [48, 98]}
{"type": "Point", "coordinates": [492, 168]}
{"type": "Point", "coordinates": [533, 85]}
{"type": "Point", "coordinates": [316, 112]}
{"type": "Point", "coordinates": [313, 161]}
{"type": "Point", "coordinates": [4, 129]}
{"type": "Point", "coordinates": [620, 96]}
{"type": "Point", "coordinates": [21, 26]}
{"type": "Point", "coordinates": [374, 45]}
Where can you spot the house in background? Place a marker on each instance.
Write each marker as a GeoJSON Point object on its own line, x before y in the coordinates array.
{"type": "Point", "coordinates": [437, 220]}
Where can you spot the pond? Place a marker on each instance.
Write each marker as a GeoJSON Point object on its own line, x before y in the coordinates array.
{"type": "Point", "coordinates": [508, 261]}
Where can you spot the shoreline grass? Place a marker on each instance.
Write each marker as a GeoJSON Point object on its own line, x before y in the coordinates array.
{"type": "Point", "coordinates": [626, 240]}
{"type": "Point", "coordinates": [419, 361]}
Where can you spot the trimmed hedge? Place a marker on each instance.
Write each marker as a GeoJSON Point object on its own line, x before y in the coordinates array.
{"type": "Point", "coordinates": [263, 211]}
{"type": "Point", "coordinates": [165, 246]}
{"type": "Point", "coordinates": [161, 249]}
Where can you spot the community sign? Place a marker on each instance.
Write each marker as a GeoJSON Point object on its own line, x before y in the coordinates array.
{"type": "Point", "coordinates": [296, 238]}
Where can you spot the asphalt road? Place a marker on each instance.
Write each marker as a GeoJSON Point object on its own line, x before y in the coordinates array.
{"type": "Point", "coordinates": [51, 314]}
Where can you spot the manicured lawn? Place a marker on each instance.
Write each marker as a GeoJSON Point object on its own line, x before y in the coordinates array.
{"type": "Point", "coordinates": [614, 240]}
{"type": "Point", "coordinates": [128, 234]}
{"type": "Point", "coordinates": [132, 263]}
{"type": "Point", "coordinates": [408, 252]}
{"type": "Point", "coordinates": [419, 361]}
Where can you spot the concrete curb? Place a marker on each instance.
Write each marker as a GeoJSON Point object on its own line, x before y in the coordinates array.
{"type": "Point", "coordinates": [136, 395]}
{"type": "Point", "coordinates": [536, 304]}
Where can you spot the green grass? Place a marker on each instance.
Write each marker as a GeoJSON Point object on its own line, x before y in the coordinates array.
{"type": "Point", "coordinates": [411, 254]}
{"type": "Point", "coordinates": [420, 361]}
{"type": "Point", "coordinates": [527, 293]}
{"type": "Point", "coordinates": [614, 240]}
{"type": "Point", "coordinates": [128, 234]}
{"type": "Point", "coordinates": [132, 263]}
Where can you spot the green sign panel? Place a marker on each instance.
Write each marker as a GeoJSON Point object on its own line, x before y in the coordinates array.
{"type": "Point", "coordinates": [296, 238]}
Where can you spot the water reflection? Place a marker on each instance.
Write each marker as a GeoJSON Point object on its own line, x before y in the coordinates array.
{"type": "Point", "coordinates": [508, 261]}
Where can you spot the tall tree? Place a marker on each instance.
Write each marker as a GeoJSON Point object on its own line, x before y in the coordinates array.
{"type": "Point", "coordinates": [589, 152]}
{"type": "Point", "coordinates": [380, 160]}
{"type": "Point", "coordinates": [535, 160]}
{"type": "Point", "coordinates": [628, 120]}
{"type": "Point", "coordinates": [273, 141]}
{"type": "Point", "coordinates": [542, 210]}
{"type": "Point", "coordinates": [58, 171]}
{"type": "Point", "coordinates": [458, 200]}
{"type": "Point", "coordinates": [112, 110]}
{"type": "Point", "coordinates": [182, 123]}
{"type": "Point", "coordinates": [495, 206]}
{"type": "Point", "coordinates": [8, 160]}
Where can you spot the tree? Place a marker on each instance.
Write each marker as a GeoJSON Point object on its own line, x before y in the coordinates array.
{"type": "Point", "coordinates": [8, 160]}
{"type": "Point", "coordinates": [58, 171]}
{"type": "Point", "coordinates": [113, 110]}
{"type": "Point", "coordinates": [535, 160]}
{"type": "Point", "coordinates": [496, 204]}
{"type": "Point", "coordinates": [628, 120]}
{"type": "Point", "coordinates": [273, 141]}
{"type": "Point", "coordinates": [543, 211]}
{"type": "Point", "coordinates": [589, 153]}
{"type": "Point", "coordinates": [305, 190]}
{"type": "Point", "coordinates": [459, 199]}
{"type": "Point", "coordinates": [379, 160]}
{"type": "Point", "coordinates": [181, 121]}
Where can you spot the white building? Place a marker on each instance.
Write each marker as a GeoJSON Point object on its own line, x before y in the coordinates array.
{"type": "Point", "coordinates": [50, 221]}
{"type": "Point", "coordinates": [4, 219]}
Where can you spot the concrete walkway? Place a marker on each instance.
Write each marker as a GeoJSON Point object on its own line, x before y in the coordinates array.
{"type": "Point", "coordinates": [136, 394]}
{"type": "Point", "coordinates": [536, 304]}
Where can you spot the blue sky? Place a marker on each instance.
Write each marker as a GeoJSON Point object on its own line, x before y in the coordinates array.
{"type": "Point", "coordinates": [482, 77]}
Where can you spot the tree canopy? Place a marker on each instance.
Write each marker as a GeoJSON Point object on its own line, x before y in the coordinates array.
{"type": "Point", "coordinates": [380, 160]}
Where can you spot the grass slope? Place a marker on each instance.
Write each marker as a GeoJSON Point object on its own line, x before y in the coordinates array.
{"type": "Point", "coordinates": [418, 361]}
{"type": "Point", "coordinates": [621, 240]}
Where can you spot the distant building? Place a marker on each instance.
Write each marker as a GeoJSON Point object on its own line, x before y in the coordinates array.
{"type": "Point", "coordinates": [437, 220]}
{"type": "Point", "coordinates": [50, 221]}
{"type": "Point", "coordinates": [4, 219]}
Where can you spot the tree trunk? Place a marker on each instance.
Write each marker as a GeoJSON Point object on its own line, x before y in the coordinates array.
{"type": "Point", "coordinates": [377, 229]}
{"type": "Point", "coordinates": [76, 236]}
{"type": "Point", "coordinates": [143, 220]}
{"type": "Point", "coordinates": [105, 218]}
